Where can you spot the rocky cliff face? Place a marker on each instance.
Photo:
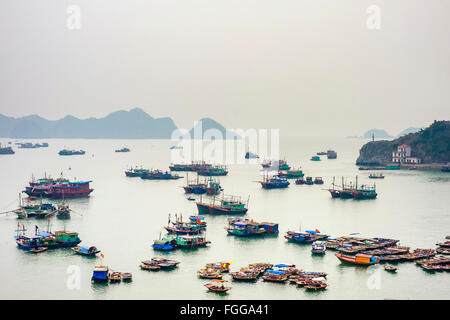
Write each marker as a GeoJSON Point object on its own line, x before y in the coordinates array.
{"type": "Point", "coordinates": [432, 145]}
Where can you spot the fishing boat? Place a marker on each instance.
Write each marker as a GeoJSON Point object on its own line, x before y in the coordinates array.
{"type": "Point", "coordinates": [6, 150]}
{"type": "Point", "coordinates": [34, 207]}
{"type": "Point", "coordinates": [135, 172]}
{"type": "Point", "coordinates": [248, 228]}
{"type": "Point", "coordinates": [90, 251]}
{"type": "Point", "coordinates": [359, 259]}
{"type": "Point", "coordinates": [191, 241]}
{"type": "Point", "coordinates": [213, 171]}
{"type": "Point", "coordinates": [331, 154]}
{"type": "Point", "coordinates": [376, 176]}
{"type": "Point", "coordinates": [176, 147]}
{"type": "Point", "coordinates": [122, 150]}
{"type": "Point", "coordinates": [309, 181]}
{"type": "Point", "coordinates": [446, 168]}
{"type": "Point", "coordinates": [165, 244]}
{"type": "Point", "coordinates": [67, 152]}
{"type": "Point", "coordinates": [309, 236]}
{"type": "Point", "coordinates": [198, 221]}
{"type": "Point", "coordinates": [160, 175]}
{"type": "Point", "coordinates": [315, 158]}
{"type": "Point", "coordinates": [318, 180]}
{"type": "Point", "coordinates": [63, 211]}
{"type": "Point", "coordinates": [318, 247]}
{"type": "Point", "coordinates": [226, 205]}
{"type": "Point", "coordinates": [39, 187]}
{"type": "Point", "coordinates": [291, 174]}
{"type": "Point", "coordinates": [213, 187]}
{"type": "Point", "coordinates": [75, 189]}
{"type": "Point", "coordinates": [364, 192]}
{"type": "Point", "coordinates": [300, 181]}
{"type": "Point", "coordinates": [274, 183]}
{"type": "Point", "coordinates": [217, 286]}
{"type": "Point", "coordinates": [322, 153]}
{"type": "Point", "coordinates": [193, 166]}
{"type": "Point", "coordinates": [250, 155]}
{"type": "Point", "coordinates": [195, 186]}
{"type": "Point", "coordinates": [100, 274]}
{"type": "Point", "coordinates": [183, 228]}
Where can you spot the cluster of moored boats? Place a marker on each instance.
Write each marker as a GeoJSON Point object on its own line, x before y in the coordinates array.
{"type": "Point", "coordinates": [104, 274]}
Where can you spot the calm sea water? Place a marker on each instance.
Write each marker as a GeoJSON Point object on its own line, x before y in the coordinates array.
{"type": "Point", "coordinates": [124, 215]}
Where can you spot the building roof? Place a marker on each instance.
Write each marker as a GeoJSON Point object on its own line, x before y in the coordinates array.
{"type": "Point", "coordinates": [403, 146]}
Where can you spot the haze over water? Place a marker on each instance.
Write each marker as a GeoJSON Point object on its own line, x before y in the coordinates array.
{"type": "Point", "coordinates": [124, 215]}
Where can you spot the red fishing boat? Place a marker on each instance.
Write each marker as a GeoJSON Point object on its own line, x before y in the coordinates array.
{"type": "Point", "coordinates": [227, 205]}
{"type": "Point", "coordinates": [70, 190]}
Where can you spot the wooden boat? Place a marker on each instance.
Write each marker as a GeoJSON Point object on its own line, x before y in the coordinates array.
{"type": "Point", "coordinates": [115, 276]}
{"type": "Point", "coordinates": [86, 250]}
{"type": "Point", "coordinates": [445, 251]}
{"type": "Point", "coordinates": [209, 274]}
{"type": "Point", "coordinates": [359, 259]}
{"type": "Point", "coordinates": [63, 211]}
{"type": "Point", "coordinates": [445, 244]}
{"type": "Point", "coordinates": [165, 244]}
{"type": "Point", "coordinates": [244, 276]}
{"type": "Point", "coordinates": [291, 174]}
{"type": "Point", "coordinates": [126, 276]}
{"type": "Point", "coordinates": [315, 285]}
{"type": "Point", "coordinates": [38, 249]}
{"type": "Point", "coordinates": [388, 267]}
{"type": "Point", "coordinates": [158, 263]}
{"type": "Point", "coordinates": [217, 286]}
{"type": "Point", "coordinates": [309, 181]}
{"type": "Point", "coordinates": [300, 181]}
{"type": "Point", "coordinates": [270, 276]}
{"type": "Point", "coordinates": [220, 266]}
{"type": "Point", "coordinates": [191, 241]}
{"type": "Point", "coordinates": [315, 158]}
{"type": "Point", "coordinates": [248, 228]}
{"type": "Point", "coordinates": [376, 176]}
{"type": "Point", "coordinates": [124, 149]}
{"type": "Point", "coordinates": [322, 153]}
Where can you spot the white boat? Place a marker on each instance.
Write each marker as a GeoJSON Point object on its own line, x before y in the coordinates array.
{"type": "Point", "coordinates": [318, 247]}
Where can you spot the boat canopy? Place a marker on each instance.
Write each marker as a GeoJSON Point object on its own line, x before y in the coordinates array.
{"type": "Point", "coordinates": [240, 224]}
{"type": "Point", "coordinates": [281, 265]}
{"type": "Point", "coordinates": [275, 272]}
{"type": "Point", "coordinates": [311, 231]}
{"type": "Point", "coordinates": [44, 234]}
{"type": "Point", "coordinates": [85, 249]}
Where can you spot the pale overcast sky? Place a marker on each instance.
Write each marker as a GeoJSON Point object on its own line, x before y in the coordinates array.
{"type": "Point", "coordinates": [307, 67]}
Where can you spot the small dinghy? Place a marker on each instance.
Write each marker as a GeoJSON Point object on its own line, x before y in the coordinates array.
{"type": "Point", "coordinates": [115, 276]}
{"type": "Point", "coordinates": [38, 249]}
{"type": "Point", "coordinates": [217, 286]}
{"type": "Point", "coordinates": [126, 276]}
{"type": "Point", "coordinates": [390, 268]}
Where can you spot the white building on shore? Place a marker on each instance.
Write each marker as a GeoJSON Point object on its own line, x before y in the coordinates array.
{"type": "Point", "coordinates": [403, 155]}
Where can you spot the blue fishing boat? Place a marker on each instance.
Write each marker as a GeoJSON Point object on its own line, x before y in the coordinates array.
{"type": "Point", "coordinates": [6, 150]}
{"type": "Point", "coordinates": [160, 175]}
{"type": "Point", "coordinates": [308, 236]}
{"type": "Point", "coordinates": [66, 152]}
{"type": "Point", "coordinates": [86, 250]}
{"type": "Point", "coordinates": [100, 274]}
{"type": "Point", "coordinates": [123, 150]}
{"type": "Point", "coordinates": [274, 183]}
{"type": "Point", "coordinates": [165, 244]}
{"type": "Point", "coordinates": [315, 158]}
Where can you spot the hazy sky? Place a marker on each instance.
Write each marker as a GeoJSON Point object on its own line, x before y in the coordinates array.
{"type": "Point", "coordinates": [307, 67]}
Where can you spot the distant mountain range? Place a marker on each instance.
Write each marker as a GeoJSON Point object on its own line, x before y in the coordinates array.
{"type": "Point", "coordinates": [382, 134]}
{"type": "Point", "coordinates": [133, 124]}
